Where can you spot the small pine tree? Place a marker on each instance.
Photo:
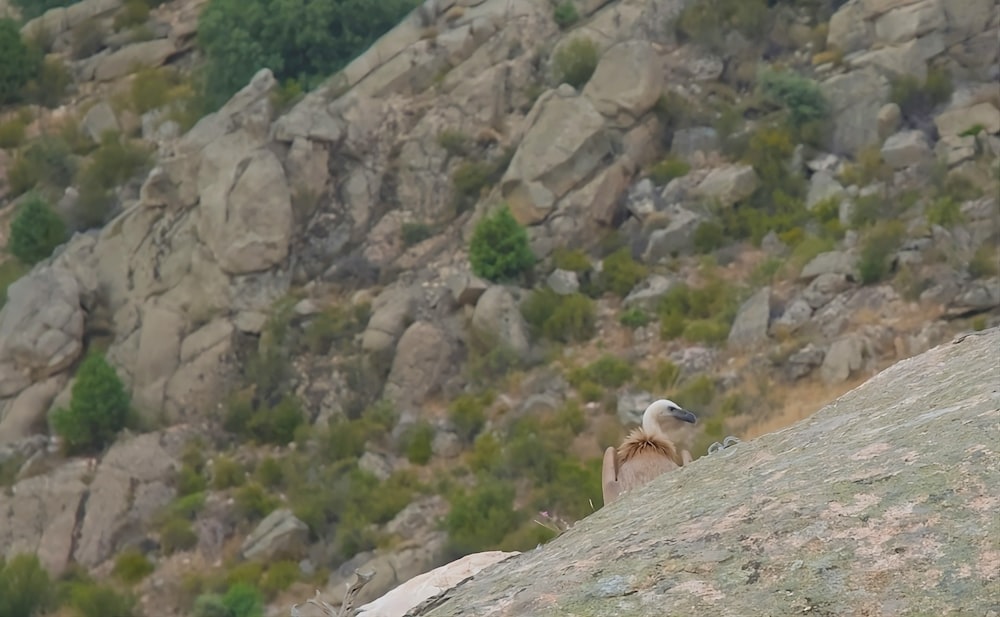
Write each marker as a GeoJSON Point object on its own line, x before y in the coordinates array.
{"type": "Point", "coordinates": [18, 63]}
{"type": "Point", "coordinates": [98, 410]}
{"type": "Point", "coordinates": [36, 231]}
{"type": "Point", "coordinates": [499, 248]}
{"type": "Point", "coordinates": [24, 587]}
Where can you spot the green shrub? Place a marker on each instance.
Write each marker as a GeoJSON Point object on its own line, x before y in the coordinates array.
{"type": "Point", "coordinates": [467, 414]}
{"type": "Point", "coordinates": [470, 178]}
{"type": "Point", "coordinates": [133, 13]}
{"type": "Point", "coordinates": [565, 14]}
{"type": "Point", "coordinates": [269, 473]}
{"type": "Point", "coordinates": [131, 566]}
{"type": "Point", "coordinates": [455, 143]}
{"type": "Point", "coordinates": [621, 273]}
{"type": "Point", "coordinates": [176, 534]}
{"type": "Point", "coordinates": [575, 62]}
{"type": "Point", "coordinates": [608, 370]}
{"type": "Point", "coordinates": [664, 375]}
{"type": "Point", "coordinates": [706, 331]}
{"type": "Point", "coordinates": [151, 89]}
{"type": "Point", "coordinates": [499, 249]}
{"type": "Point", "coordinates": [279, 577]}
{"type": "Point", "coordinates": [31, 9]}
{"type": "Point", "coordinates": [302, 42]}
{"type": "Point", "coordinates": [415, 233]}
{"type": "Point", "coordinates": [560, 318]}
{"type": "Point", "coordinates": [48, 87]}
{"type": "Point", "coordinates": [879, 244]}
{"type": "Point", "coordinates": [210, 605]}
{"type": "Point", "coordinates": [335, 326]}
{"type": "Point", "coordinates": [715, 301]}
{"type": "Point", "coordinates": [252, 502]}
{"type": "Point", "coordinates": [47, 160]}
{"type": "Point", "coordinates": [419, 442]}
{"type": "Point", "coordinates": [190, 481]}
{"type": "Point", "coordinates": [697, 392]}
{"type": "Point", "coordinates": [187, 506]}
{"type": "Point", "coordinates": [668, 169]}
{"type": "Point", "coordinates": [573, 260]}
{"type": "Point", "coordinates": [24, 587]}
{"type": "Point", "coordinates": [113, 163]}
{"type": "Point", "coordinates": [246, 573]}
{"type": "Point", "coordinates": [268, 424]}
{"type": "Point", "coordinates": [12, 133]}
{"type": "Point", "coordinates": [707, 22]}
{"type": "Point", "coordinates": [10, 271]}
{"type": "Point", "coordinates": [99, 407]}
{"type": "Point", "coordinates": [479, 519]}
{"type": "Point", "coordinates": [227, 473]}
{"type": "Point", "coordinates": [985, 262]}
{"type": "Point", "coordinates": [800, 96]}
{"type": "Point", "coordinates": [89, 599]}
{"type": "Point", "coordinates": [18, 63]}
{"type": "Point", "coordinates": [243, 600]}
{"type": "Point", "coordinates": [709, 236]}
{"type": "Point", "coordinates": [633, 318]}
{"type": "Point", "coordinates": [36, 231]}
{"type": "Point", "coordinates": [945, 212]}
{"type": "Point", "coordinates": [915, 98]}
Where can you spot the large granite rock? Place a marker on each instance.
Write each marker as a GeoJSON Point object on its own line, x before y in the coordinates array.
{"type": "Point", "coordinates": [41, 328]}
{"type": "Point", "coordinates": [566, 141]}
{"type": "Point", "coordinates": [891, 482]}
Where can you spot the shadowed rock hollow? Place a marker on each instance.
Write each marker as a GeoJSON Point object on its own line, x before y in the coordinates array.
{"type": "Point", "coordinates": [882, 503]}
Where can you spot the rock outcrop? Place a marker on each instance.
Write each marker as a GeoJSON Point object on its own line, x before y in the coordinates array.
{"type": "Point", "coordinates": [891, 482]}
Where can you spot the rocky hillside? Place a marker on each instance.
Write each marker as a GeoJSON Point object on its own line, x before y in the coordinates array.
{"type": "Point", "coordinates": [435, 286]}
{"type": "Point", "coordinates": [902, 522]}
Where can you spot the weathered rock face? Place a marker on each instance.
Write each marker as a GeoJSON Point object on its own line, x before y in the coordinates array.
{"type": "Point", "coordinates": [566, 141]}
{"type": "Point", "coordinates": [41, 328]}
{"type": "Point", "coordinates": [884, 40]}
{"type": "Point", "coordinates": [905, 465]}
{"type": "Point", "coordinates": [83, 511]}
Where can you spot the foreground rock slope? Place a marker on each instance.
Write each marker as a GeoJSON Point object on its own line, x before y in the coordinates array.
{"type": "Point", "coordinates": [882, 503]}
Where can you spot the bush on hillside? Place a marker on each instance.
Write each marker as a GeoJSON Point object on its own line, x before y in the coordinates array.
{"type": "Point", "coordinates": [243, 600]}
{"type": "Point", "coordinates": [18, 62]}
{"type": "Point", "coordinates": [565, 319]}
{"type": "Point", "coordinates": [24, 587]}
{"type": "Point", "coordinates": [467, 414]}
{"type": "Point", "coordinates": [48, 87]}
{"type": "Point", "coordinates": [36, 231]}
{"type": "Point", "coordinates": [115, 161]}
{"type": "Point", "coordinates": [800, 96]}
{"type": "Point", "coordinates": [499, 249]}
{"type": "Point", "coordinates": [47, 160]}
{"type": "Point", "coordinates": [88, 599]}
{"type": "Point", "coordinates": [31, 9]}
{"type": "Point", "coordinates": [98, 409]}
{"type": "Point", "coordinates": [131, 566]}
{"type": "Point", "coordinates": [302, 41]}
{"type": "Point", "coordinates": [708, 22]}
{"type": "Point", "coordinates": [479, 519]}
{"type": "Point", "coordinates": [576, 61]}
{"type": "Point", "coordinates": [565, 14]}
{"type": "Point", "coordinates": [915, 98]}
{"type": "Point", "coordinates": [621, 273]}
{"type": "Point", "coordinates": [877, 248]}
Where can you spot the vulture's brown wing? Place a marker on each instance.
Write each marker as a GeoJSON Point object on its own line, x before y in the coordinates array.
{"type": "Point", "coordinates": [609, 475]}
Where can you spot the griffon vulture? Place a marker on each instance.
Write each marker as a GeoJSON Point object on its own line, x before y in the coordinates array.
{"type": "Point", "coordinates": [645, 453]}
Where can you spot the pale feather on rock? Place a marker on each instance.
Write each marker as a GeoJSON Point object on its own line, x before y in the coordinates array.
{"type": "Point", "coordinates": [400, 600]}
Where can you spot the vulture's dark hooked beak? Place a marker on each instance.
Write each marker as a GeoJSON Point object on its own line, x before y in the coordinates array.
{"type": "Point", "coordinates": [683, 415]}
